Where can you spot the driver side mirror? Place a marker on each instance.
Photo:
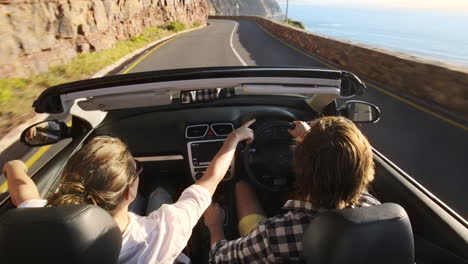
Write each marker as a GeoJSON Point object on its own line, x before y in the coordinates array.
{"type": "Point", "coordinates": [45, 133]}
{"type": "Point", "coordinates": [360, 112]}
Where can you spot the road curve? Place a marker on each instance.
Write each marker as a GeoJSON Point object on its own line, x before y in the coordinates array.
{"type": "Point", "coordinates": [209, 46]}
{"type": "Point", "coordinates": [429, 149]}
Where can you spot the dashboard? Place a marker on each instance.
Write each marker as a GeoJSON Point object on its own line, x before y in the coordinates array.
{"type": "Point", "coordinates": [181, 143]}
{"type": "Point", "coordinates": [204, 141]}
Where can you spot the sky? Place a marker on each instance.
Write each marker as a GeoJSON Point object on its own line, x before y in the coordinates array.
{"type": "Point", "coordinates": [442, 5]}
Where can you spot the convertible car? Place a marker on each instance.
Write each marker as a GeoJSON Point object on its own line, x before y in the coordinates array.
{"type": "Point", "coordinates": [174, 122]}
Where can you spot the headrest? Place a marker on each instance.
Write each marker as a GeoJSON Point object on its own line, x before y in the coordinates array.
{"type": "Point", "coordinates": [375, 234]}
{"type": "Point", "coordinates": [62, 234]}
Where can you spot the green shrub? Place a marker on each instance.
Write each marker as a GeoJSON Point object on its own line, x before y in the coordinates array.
{"type": "Point", "coordinates": [12, 83]}
{"type": "Point", "coordinates": [138, 39]}
{"type": "Point", "coordinates": [174, 26]}
{"type": "Point", "coordinates": [295, 23]}
{"type": "Point", "coordinates": [5, 95]}
{"type": "Point", "coordinates": [196, 23]}
{"type": "Point", "coordinates": [8, 86]}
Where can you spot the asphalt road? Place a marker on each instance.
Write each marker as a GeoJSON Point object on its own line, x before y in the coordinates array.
{"type": "Point", "coordinates": [429, 149]}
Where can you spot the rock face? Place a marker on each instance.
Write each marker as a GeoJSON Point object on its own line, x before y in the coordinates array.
{"type": "Point", "coordinates": [263, 8]}
{"type": "Point", "coordinates": [37, 34]}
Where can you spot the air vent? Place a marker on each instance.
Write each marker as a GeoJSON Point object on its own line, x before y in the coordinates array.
{"type": "Point", "coordinates": [197, 131]}
{"type": "Point", "coordinates": [222, 129]}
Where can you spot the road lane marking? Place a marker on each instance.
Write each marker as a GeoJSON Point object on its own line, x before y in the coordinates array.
{"type": "Point", "coordinates": [37, 156]}
{"type": "Point", "coordinates": [236, 24]}
{"type": "Point", "coordinates": [149, 53]}
{"type": "Point", "coordinates": [399, 98]}
{"type": "Point", "coordinates": [4, 187]}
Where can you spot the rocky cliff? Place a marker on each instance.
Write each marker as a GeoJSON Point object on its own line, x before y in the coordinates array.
{"type": "Point", "coordinates": [37, 34]}
{"type": "Point", "coordinates": [263, 8]}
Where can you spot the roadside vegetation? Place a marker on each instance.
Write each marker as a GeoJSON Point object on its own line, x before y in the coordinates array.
{"type": "Point", "coordinates": [18, 94]}
{"type": "Point", "coordinates": [197, 23]}
{"type": "Point", "coordinates": [174, 26]}
{"type": "Point", "coordinates": [294, 23]}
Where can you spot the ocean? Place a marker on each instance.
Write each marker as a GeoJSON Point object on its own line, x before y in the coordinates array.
{"type": "Point", "coordinates": [436, 35]}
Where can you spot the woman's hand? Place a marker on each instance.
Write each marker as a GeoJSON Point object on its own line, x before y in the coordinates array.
{"type": "Point", "coordinates": [222, 160]}
{"type": "Point", "coordinates": [20, 185]}
{"type": "Point", "coordinates": [244, 132]}
{"type": "Point", "coordinates": [300, 130]}
{"type": "Point", "coordinates": [14, 166]}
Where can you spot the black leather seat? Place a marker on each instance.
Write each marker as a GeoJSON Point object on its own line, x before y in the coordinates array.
{"type": "Point", "coordinates": [377, 234]}
{"type": "Point", "coordinates": [63, 234]}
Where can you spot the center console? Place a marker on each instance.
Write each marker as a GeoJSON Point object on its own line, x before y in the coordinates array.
{"type": "Point", "coordinates": [204, 141]}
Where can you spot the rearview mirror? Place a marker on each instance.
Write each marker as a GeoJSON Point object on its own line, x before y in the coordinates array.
{"type": "Point", "coordinates": [45, 133]}
{"type": "Point", "coordinates": [360, 112]}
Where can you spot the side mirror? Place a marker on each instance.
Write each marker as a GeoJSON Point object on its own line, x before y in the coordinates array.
{"type": "Point", "coordinates": [45, 133]}
{"type": "Point", "coordinates": [360, 112]}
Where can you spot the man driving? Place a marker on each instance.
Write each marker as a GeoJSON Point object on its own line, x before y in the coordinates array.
{"type": "Point", "coordinates": [334, 166]}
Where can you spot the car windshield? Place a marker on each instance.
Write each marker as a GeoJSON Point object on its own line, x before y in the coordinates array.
{"type": "Point", "coordinates": [412, 56]}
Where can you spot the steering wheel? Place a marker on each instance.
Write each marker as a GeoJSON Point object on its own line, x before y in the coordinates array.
{"type": "Point", "coordinates": [267, 160]}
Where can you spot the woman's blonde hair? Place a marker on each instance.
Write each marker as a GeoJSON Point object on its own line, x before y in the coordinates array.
{"type": "Point", "coordinates": [99, 173]}
{"type": "Point", "coordinates": [333, 163]}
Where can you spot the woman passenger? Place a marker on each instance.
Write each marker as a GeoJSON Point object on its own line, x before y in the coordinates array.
{"type": "Point", "coordinates": [104, 173]}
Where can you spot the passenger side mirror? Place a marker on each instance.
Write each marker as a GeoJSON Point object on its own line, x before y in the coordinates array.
{"type": "Point", "coordinates": [45, 133]}
{"type": "Point", "coordinates": [360, 112]}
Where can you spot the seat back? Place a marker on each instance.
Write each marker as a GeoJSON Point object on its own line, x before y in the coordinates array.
{"type": "Point", "coordinates": [62, 234]}
{"type": "Point", "coordinates": [376, 234]}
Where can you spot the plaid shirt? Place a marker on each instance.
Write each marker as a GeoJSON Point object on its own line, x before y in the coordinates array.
{"type": "Point", "coordinates": [277, 239]}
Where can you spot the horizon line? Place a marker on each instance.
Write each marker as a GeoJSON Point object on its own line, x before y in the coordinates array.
{"type": "Point", "coordinates": [458, 9]}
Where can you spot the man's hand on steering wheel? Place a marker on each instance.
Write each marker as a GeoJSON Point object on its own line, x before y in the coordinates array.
{"type": "Point", "coordinates": [267, 161]}
{"type": "Point", "coordinates": [299, 130]}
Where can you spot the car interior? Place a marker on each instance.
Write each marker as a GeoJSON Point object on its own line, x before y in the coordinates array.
{"type": "Point", "coordinates": [176, 143]}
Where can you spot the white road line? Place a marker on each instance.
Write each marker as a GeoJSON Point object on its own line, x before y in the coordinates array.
{"type": "Point", "coordinates": [232, 45]}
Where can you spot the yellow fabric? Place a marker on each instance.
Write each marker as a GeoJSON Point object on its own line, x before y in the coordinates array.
{"type": "Point", "coordinates": [249, 223]}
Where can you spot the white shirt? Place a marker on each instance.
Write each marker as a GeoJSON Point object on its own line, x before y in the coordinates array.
{"type": "Point", "coordinates": [161, 236]}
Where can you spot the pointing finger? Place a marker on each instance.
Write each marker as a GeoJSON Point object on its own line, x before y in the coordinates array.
{"type": "Point", "coordinates": [248, 123]}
